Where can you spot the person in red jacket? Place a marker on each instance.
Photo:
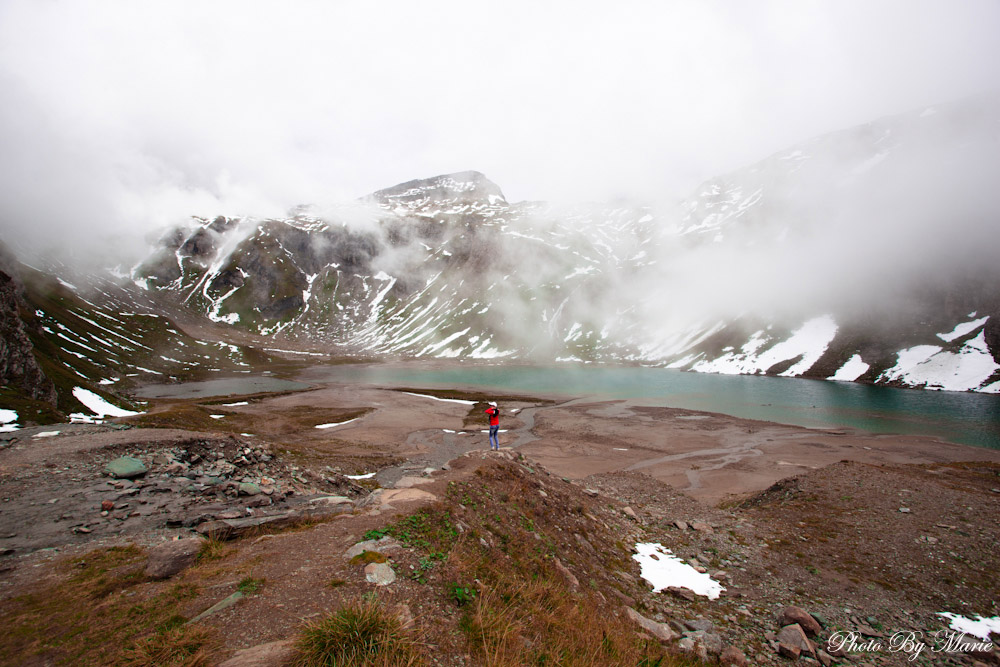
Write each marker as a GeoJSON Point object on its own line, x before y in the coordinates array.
{"type": "Point", "coordinates": [494, 412]}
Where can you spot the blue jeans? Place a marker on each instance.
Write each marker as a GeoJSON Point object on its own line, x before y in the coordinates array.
{"type": "Point", "coordinates": [494, 440]}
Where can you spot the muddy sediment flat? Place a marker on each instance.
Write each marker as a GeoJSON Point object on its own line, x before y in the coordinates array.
{"type": "Point", "coordinates": [708, 456]}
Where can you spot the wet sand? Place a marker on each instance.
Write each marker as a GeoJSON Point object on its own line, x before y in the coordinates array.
{"type": "Point", "coordinates": [710, 457]}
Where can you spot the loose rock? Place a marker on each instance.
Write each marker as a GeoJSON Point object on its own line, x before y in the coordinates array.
{"type": "Point", "coordinates": [380, 574]}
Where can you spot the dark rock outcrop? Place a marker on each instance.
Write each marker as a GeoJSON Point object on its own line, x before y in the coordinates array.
{"type": "Point", "coordinates": [18, 366]}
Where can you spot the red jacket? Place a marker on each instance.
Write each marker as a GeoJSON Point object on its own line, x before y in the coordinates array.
{"type": "Point", "coordinates": [494, 414]}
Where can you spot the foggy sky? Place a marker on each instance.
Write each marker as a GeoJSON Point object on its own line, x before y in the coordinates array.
{"type": "Point", "coordinates": [121, 117]}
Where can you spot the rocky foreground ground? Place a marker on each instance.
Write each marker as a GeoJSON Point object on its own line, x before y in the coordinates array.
{"type": "Point", "coordinates": [166, 546]}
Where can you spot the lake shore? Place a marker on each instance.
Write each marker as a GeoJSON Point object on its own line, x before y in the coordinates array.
{"type": "Point", "coordinates": [711, 457]}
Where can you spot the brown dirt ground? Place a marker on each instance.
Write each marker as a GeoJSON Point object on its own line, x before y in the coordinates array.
{"type": "Point", "coordinates": [798, 516]}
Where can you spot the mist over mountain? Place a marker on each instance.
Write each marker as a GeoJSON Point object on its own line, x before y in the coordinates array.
{"type": "Point", "coordinates": [863, 255]}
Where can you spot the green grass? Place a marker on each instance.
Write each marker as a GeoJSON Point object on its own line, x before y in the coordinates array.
{"type": "Point", "coordinates": [249, 585]}
{"type": "Point", "coordinates": [361, 633]}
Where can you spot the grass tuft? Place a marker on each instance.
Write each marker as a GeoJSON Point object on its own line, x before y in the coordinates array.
{"type": "Point", "coordinates": [176, 644]}
{"type": "Point", "coordinates": [361, 633]}
{"type": "Point", "coordinates": [249, 585]}
{"type": "Point", "coordinates": [213, 549]}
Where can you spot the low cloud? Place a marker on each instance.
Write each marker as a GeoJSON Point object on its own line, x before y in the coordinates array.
{"type": "Point", "coordinates": [119, 120]}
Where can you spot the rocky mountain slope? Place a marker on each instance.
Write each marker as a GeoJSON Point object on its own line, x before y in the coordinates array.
{"type": "Point", "coordinates": [809, 263]}
{"type": "Point", "coordinates": [70, 351]}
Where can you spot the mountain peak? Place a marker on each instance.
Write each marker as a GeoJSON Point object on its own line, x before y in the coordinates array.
{"type": "Point", "coordinates": [463, 185]}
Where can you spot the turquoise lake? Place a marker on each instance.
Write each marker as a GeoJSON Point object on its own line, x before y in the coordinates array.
{"type": "Point", "coordinates": [968, 418]}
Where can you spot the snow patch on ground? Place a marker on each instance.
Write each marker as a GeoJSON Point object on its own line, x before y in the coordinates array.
{"type": "Point", "coordinates": [7, 416]}
{"type": "Point", "coordinates": [310, 354]}
{"type": "Point", "coordinates": [46, 434]}
{"type": "Point", "coordinates": [661, 568]}
{"type": "Point", "coordinates": [981, 627]}
{"type": "Point", "coordinates": [98, 406]}
{"type": "Point", "coordinates": [852, 370]}
{"type": "Point", "coordinates": [444, 400]}
{"type": "Point", "coordinates": [332, 424]}
{"type": "Point", "coordinates": [367, 475]}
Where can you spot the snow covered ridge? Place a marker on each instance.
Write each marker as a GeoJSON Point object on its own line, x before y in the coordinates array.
{"type": "Point", "coordinates": [969, 366]}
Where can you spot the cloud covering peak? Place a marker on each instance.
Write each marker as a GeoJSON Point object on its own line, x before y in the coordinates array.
{"type": "Point", "coordinates": [122, 117]}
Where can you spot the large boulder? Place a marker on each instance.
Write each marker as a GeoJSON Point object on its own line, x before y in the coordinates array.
{"type": "Point", "coordinates": [169, 558]}
{"type": "Point", "coordinates": [230, 529]}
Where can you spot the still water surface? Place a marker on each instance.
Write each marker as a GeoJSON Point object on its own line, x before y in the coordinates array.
{"type": "Point", "coordinates": [245, 384]}
{"type": "Point", "coordinates": [968, 418]}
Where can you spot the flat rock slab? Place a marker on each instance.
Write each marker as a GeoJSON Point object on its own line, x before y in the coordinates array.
{"type": "Point", "coordinates": [169, 558]}
{"type": "Point", "coordinates": [272, 654]}
{"type": "Point", "coordinates": [410, 482]}
{"type": "Point", "coordinates": [405, 496]}
{"type": "Point", "coordinates": [219, 606]}
{"type": "Point", "coordinates": [126, 467]}
{"type": "Point", "coordinates": [229, 529]}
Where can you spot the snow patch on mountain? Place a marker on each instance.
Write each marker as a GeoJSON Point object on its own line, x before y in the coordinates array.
{"type": "Point", "coordinates": [851, 371]}
{"type": "Point", "coordinates": [807, 343]}
{"type": "Point", "coordinates": [963, 329]}
{"type": "Point", "coordinates": [931, 367]}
